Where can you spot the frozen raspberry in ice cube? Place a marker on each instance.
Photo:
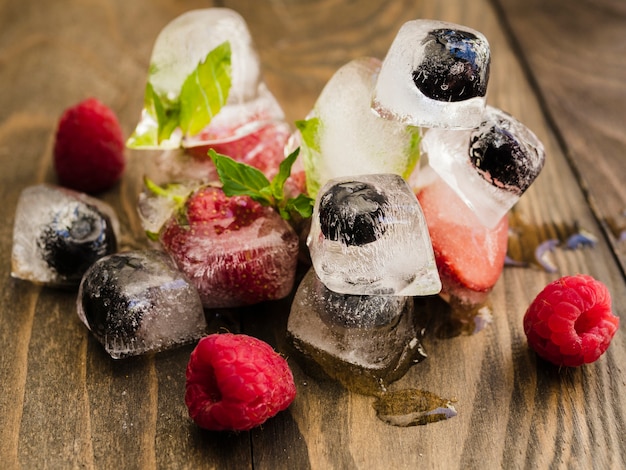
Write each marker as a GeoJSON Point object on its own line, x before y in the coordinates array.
{"type": "Point", "coordinates": [235, 251]}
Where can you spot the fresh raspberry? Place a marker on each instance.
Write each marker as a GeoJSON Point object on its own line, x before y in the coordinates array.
{"type": "Point", "coordinates": [236, 382]}
{"type": "Point", "coordinates": [89, 148]}
{"type": "Point", "coordinates": [570, 322]}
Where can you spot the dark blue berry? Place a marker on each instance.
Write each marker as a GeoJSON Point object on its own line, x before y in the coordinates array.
{"type": "Point", "coordinates": [77, 236]}
{"type": "Point", "coordinates": [352, 213]}
{"type": "Point", "coordinates": [455, 66]}
{"type": "Point", "coordinates": [500, 158]}
{"type": "Point", "coordinates": [112, 304]}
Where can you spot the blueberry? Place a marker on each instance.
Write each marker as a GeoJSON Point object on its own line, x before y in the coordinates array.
{"type": "Point", "coordinates": [455, 66]}
{"type": "Point", "coordinates": [357, 311]}
{"type": "Point", "coordinates": [77, 236]}
{"type": "Point", "coordinates": [108, 309]}
{"type": "Point", "coordinates": [352, 213]}
{"type": "Point", "coordinates": [500, 158]}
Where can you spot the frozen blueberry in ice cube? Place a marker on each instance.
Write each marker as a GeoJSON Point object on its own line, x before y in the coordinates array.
{"type": "Point", "coordinates": [353, 213]}
{"type": "Point", "coordinates": [355, 311]}
{"type": "Point", "coordinates": [490, 166]}
{"type": "Point", "coordinates": [435, 74]}
{"type": "Point", "coordinates": [500, 157]}
{"type": "Point", "coordinates": [58, 233]}
{"type": "Point", "coordinates": [455, 66]}
{"type": "Point", "coordinates": [77, 236]}
{"type": "Point", "coordinates": [368, 236]}
{"type": "Point", "coordinates": [138, 302]}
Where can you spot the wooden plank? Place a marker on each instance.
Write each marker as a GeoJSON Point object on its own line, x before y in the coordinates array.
{"type": "Point", "coordinates": [63, 402]}
{"type": "Point", "coordinates": [574, 51]}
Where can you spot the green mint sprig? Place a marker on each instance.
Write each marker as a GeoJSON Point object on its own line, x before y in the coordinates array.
{"type": "Point", "coordinates": [204, 92]}
{"type": "Point", "coordinates": [239, 179]}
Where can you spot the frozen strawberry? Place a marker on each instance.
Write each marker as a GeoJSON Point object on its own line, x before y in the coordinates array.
{"type": "Point", "coordinates": [233, 242]}
{"type": "Point", "coordinates": [234, 250]}
{"type": "Point", "coordinates": [236, 382]}
{"type": "Point", "coordinates": [89, 148]}
{"type": "Point", "coordinates": [469, 256]}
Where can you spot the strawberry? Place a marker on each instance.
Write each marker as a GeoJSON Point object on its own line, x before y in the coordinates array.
{"type": "Point", "coordinates": [235, 251]}
{"type": "Point", "coordinates": [469, 256]}
{"type": "Point", "coordinates": [234, 242]}
{"type": "Point", "coordinates": [89, 148]}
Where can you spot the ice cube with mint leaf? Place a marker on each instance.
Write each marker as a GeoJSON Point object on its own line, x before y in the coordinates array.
{"type": "Point", "coordinates": [342, 136]}
{"type": "Point", "coordinates": [204, 70]}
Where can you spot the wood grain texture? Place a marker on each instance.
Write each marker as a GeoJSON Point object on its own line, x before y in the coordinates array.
{"type": "Point", "coordinates": [65, 404]}
{"type": "Point", "coordinates": [575, 51]}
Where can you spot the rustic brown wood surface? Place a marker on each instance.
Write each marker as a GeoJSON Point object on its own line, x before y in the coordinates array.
{"type": "Point", "coordinates": [557, 66]}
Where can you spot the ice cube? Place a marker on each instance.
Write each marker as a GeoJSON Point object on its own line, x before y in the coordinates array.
{"type": "Point", "coordinates": [470, 256]}
{"type": "Point", "coordinates": [369, 237]}
{"type": "Point", "coordinates": [343, 137]}
{"type": "Point", "coordinates": [58, 233]}
{"type": "Point", "coordinates": [365, 342]}
{"type": "Point", "coordinates": [138, 302]}
{"type": "Point", "coordinates": [185, 42]}
{"type": "Point", "coordinates": [245, 255]}
{"type": "Point", "coordinates": [180, 47]}
{"type": "Point", "coordinates": [490, 166]}
{"type": "Point", "coordinates": [435, 74]}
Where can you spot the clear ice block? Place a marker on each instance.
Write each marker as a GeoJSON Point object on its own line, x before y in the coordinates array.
{"type": "Point", "coordinates": [490, 166]}
{"type": "Point", "coordinates": [369, 237]}
{"type": "Point", "coordinates": [435, 74]}
{"type": "Point", "coordinates": [364, 342]}
{"type": "Point", "coordinates": [138, 302]}
{"type": "Point", "coordinates": [58, 233]}
{"type": "Point", "coordinates": [343, 137]}
{"type": "Point", "coordinates": [183, 44]}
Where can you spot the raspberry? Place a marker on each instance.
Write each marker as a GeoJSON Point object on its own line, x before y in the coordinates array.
{"type": "Point", "coordinates": [236, 382]}
{"type": "Point", "coordinates": [570, 322]}
{"type": "Point", "coordinates": [89, 148]}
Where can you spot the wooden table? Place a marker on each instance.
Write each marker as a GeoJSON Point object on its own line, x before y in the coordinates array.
{"type": "Point", "coordinates": [557, 66]}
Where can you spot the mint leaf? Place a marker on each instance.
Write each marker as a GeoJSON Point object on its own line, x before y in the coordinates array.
{"type": "Point", "coordinates": [239, 179]}
{"type": "Point", "coordinates": [284, 170]}
{"type": "Point", "coordinates": [202, 95]}
{"type": "Point", "coordinates": [167, 116]}
{"type": "Point", "coordinates": [309, 130]}
{"type": "Point", "coordinates": [413, 150]}
{"type": "Point", "coordinates": [302, 204]}
{"type": "Point", "coordinates": [206, 90]}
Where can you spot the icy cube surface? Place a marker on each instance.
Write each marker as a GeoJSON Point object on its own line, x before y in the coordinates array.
{"type": "Point", "coordinates": [369, 237]}
{"type": "Point", "coordinates": [344, 137]}
{"type": "Point", "coordinates": [435, 74]}
{"type": "Point", "coordinates": [180, 47]}
{"type": "Point", "coordinates": [138, 302]}
{"type": "Point", "coordinates": [363, 341]}
{"type": "Point", "coordinates": [490, 166]}
{"type": "Point", "coordinates": [58, 234]}
{"type": "Point", "coordinates": [184, 42]}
